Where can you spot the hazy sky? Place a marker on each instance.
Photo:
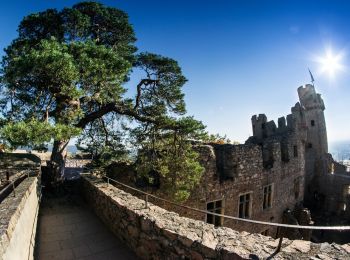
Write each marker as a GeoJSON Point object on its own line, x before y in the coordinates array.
{"type": "Point", "coordinates": [240, 57]}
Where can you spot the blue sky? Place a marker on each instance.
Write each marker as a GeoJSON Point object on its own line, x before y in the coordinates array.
{"type": "Point", "coordinates": [240, 57]}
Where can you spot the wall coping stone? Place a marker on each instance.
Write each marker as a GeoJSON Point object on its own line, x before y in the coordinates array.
{"type": "Point", "coordinates": [10, 211]}
{"type": "Point", "coordinates": [192, 238]}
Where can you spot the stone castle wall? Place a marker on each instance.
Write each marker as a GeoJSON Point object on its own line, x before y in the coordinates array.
{"type": "Point", "coordinates": [233, 170]}
{"type": "Point", "coordinates": [333, 193]}
{"type": "Point", "coordinates": [272, 156]}
{"type": "Point", "coordinates": [155, 233]}
{"type": "Point", "coordinates": [316, 145]}
{"type": "Point", "coordinates": [315, 120]}
{"type": "Point", "coordinates": [326, 181]}
{"type": "Point", "coordinates": [246, 165]}
{"type": "Point", "coordinates": [18, 221]}
{"type": "Point", "coordinates": [13, 165]}
{"type": "Point", "coordinates": [290, 155]}
{"type": "Point", "coordinates": [77, 163]}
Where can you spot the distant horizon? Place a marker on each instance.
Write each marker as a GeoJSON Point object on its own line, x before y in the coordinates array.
{"type": "Point", "coordinates": [340, 149]}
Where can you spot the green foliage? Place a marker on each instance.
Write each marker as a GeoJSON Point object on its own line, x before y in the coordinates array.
{"type": "Point", "coordinates": [169, 154]}
{"type": "Point", "coordinates": [218, 139]}
{"type": "Point", "coordinates": [165, 92]}
{"type": "Point", "coordinates": [67, 64]}
{"type": "Point", "coordinates": [63, 66]}
{"type": "Point", "coordinates": [63, 80]}
{"type": "Point", "coordinates": [23, 133]}
{"type": "Point", "coordinates": [65, 75]}
{"type": "Point", "coordinates": [177, 165]}
{"type": "Point", "coordinates": [103, 141]}
{"type": "Point", "coordinates": [34, 133]}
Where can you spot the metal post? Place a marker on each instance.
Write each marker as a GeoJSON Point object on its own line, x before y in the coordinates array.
{"type": "Point", "coordinates": [146, 201]}
{"type": "Point", "coordinates": [279, 234]}
{"type": "Point", "coordinates": [14, 191]}
{"type": "Point", "coordinates": [41, 192]}
{"type": "Point", "coordinates": [279, 244]}
{"type": "Point", "coordinates": [107, 181]}
{"type": "Point", "coordinates": [278, 248]}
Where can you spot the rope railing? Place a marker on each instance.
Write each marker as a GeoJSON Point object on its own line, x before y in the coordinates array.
{"type": "Point", "coordinates": [29, 167]}
{"type": "Point", "coordinates": [18, 179]}
{"type": "Point", "coordinates": [147, 195]}
{"type": "Point", "coordinates": [12, 183]}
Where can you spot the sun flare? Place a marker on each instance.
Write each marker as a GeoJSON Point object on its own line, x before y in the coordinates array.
{"type": "Point", "coordinates": [331, 63]}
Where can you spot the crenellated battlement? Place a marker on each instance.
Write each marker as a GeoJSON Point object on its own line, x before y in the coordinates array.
{"type": "Point", "coordinates": [292, 122]}
{"type": "Point", "coordinates": [309, 98]}
{"type": "Point", "coordinates": [306, 89]}
{"type": "Point", "coordinates": [259, 118]}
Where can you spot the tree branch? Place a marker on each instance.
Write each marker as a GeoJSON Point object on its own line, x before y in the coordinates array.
{"type": "Point", "coordinates": [121, 109]}
{"type": "Point", "coordinates": [105, 130]}
{"type": "Point", "coordinates": [145, 82]}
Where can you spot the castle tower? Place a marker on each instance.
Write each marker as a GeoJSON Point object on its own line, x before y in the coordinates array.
{"type": "Point", "coordinates": [315, 120]}
{"type": "Point", "coordinates": [316, 145]}
{"type": "Point", "coordinates": [259, 126]}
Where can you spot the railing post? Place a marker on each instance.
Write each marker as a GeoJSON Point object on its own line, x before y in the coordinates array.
{"type": "Point", "coordinates": [279, 244]}
{"type": "Point", "coordinates": [13, 187]}
{"type": "Point", "coordinates": [107, 181]}
{"type": "Point", "coordinates": [279, 234]}
{"type": "Point", "coordinates": [278, 248]}
{"type": "Point", "coordinates": [146, 201]}
{"type": "Point", "coordinates": [41, 192]}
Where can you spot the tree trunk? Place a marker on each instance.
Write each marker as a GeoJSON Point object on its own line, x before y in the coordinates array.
{"type": "Point", "coordinates": [57, 161]}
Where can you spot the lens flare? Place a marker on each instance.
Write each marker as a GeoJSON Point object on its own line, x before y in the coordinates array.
{"type": "Point", "coordinates": [331, 63]}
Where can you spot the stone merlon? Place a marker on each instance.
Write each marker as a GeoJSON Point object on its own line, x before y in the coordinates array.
{"type": "Point", "coordinates": [309, 98]}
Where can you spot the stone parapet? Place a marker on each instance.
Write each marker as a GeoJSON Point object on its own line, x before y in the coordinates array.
{"type": "Point", "coordinates": [18, 218]}
{"type": "Point", "coordinates": [155, 233]}
{"type": "Point", "coordinates": [77, 163]}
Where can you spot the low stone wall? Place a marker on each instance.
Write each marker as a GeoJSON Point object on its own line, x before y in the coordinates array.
{"type": "Point", "coordinates": [77, 163]}
{"type": "Point", "coordinates": [155, 233]}
{"type": "Point", "coordinates": [18, 218]}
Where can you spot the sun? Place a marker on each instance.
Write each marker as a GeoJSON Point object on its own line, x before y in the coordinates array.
{"type": "Point", "coordinates": [331, 63]}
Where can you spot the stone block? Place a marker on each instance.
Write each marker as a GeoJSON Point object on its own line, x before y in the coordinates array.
{"type": "Point", "coordinates": [158, 234]}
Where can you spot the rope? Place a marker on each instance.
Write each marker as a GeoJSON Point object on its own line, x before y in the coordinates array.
{"type": "Point", "coordinates": [341, 228]}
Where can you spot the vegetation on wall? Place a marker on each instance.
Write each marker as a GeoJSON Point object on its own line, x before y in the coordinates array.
{"type": "Point", "coordinates": [219, 139]}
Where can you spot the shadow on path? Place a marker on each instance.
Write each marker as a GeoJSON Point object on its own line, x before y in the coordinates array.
{"type": "Point", "coordinates": [68, 229]}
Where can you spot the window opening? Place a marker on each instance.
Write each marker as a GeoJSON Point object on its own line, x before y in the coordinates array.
{"type": "Point", "coordinates": [245, 206]}
{"type": "Point", "coordinates": [267, 203]}
{"type": "Point", "coordinates": [216, 207]}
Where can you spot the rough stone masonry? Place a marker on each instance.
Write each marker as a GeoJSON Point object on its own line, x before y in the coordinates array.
{"type": "Point", "coordinates": [155, 233]}
{"type": "Point", "coordinates": [278, 170]}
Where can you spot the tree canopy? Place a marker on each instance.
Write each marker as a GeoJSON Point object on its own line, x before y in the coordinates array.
{"type": "Point", "coordinates": [64, 76]}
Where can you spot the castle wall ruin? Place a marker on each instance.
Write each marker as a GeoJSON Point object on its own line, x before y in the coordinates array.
{"type": "Point", "coordinates": [273, 163]}
{"type": "Point", "coordinates": [278, 170]}
{"type": "Point", "coordinates": [155, 233]}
